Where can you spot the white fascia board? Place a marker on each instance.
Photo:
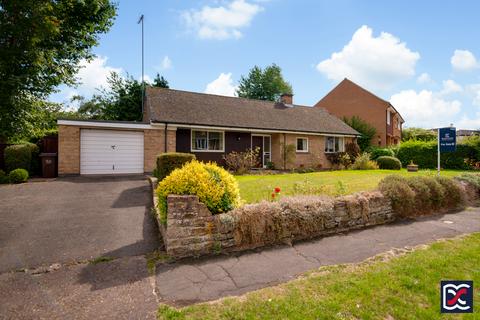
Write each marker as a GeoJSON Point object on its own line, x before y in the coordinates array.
{"type": "Point", "coordinates": [98, 124]}
{"type": "Point", "coordinates": [178, 125]}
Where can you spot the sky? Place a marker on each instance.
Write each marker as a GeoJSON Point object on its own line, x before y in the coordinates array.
{"type": "Point", "coordinates": [422, 56]}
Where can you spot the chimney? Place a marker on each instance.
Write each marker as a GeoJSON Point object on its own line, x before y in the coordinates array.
{"type": "Point", "coordinates": [286, 98]}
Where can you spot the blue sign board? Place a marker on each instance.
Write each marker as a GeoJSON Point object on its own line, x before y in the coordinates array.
{"type": "Point", "coordinates": [448, 139]}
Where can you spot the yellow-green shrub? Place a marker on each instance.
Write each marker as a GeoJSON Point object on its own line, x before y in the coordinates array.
{"type": "Point", "coordinates": [213, 185]}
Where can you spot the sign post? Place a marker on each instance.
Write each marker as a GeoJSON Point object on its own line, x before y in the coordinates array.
{"type": "Point", "coordinates": [447, 142]}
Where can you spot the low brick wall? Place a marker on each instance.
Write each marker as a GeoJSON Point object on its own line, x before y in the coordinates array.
{"type": "Point", "coordinates": [191, 230]}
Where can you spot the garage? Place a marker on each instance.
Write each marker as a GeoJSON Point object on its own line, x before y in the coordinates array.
{"type": "Point", "coordinates": [111, 151]}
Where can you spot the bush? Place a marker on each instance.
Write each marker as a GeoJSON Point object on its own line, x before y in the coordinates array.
{"type": "Point", "coordinates": [421, 195]}
{"type": "Point", "coordinates": [363, 162]}
{"type": "Point", "coordinates": [376, 152]}
{"type": "Point", "coordinates": [18, 176]}
{"type": "Point", "coordinates": [436, 191]}
{"type": "Point", "coordinates": [390, 163]}
{"type": "Point", "coordinates": [352, 149]}
{"type": "Point", "coordinates": [3, 177]}
{"type": "Point", "coordinates": [214, 186]}
{"type": "Point", "coordinates": [424, 154]}
{"type": "Point", "coordinates": [472, 178]}
{"type": "Point", "coordinates": [24, 156]}
{"type": "Point", "coordinates": [423, 203]}
{"type": "Point", "coordinates": [402, 196]}
{"type": "Point", "coordinates": [167, 162]}
{"type": "Point", "coordinates": [452, 193]}
{"type": "Point", "coordinates": [242, 162]}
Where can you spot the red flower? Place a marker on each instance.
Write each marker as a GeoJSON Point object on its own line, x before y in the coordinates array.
{"type": "Point", "coordinates": [273, 195]}
{"type": "Point", "coordinates": [277, 190]}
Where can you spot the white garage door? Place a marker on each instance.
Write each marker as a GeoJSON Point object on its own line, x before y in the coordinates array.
{"type": "Point", "coordinates": [111, 152]}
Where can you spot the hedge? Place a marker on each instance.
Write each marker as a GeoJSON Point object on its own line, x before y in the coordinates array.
{"type": "Point", "coordinates": [421, 195]}
{"type": "Point", "coordinates": [23, 156]}
{"type": "Point", "coordinates": [389, 163]}
{"type": "Point", "coordinates": [424, 154]}
{"type": "Point", "coordinates": [3, 177]}
{"type": "Point", "coordinates": [167, 162]}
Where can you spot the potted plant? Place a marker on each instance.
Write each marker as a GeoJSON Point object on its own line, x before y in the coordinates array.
{"type": "Point", "coordinates": [412, 167]}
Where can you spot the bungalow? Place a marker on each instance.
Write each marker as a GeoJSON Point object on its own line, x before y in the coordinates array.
{"type": "Point", "coordinates": [210, 126]}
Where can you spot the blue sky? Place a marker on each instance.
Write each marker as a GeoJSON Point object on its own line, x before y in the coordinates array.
{"type": "Point", "coordinates": [421, 56]}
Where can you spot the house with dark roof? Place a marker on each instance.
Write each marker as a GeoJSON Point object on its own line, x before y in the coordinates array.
{"type": "Point", "coordinates": [209, 126]}
{"type": "Point", "coordinates": [348, 99]}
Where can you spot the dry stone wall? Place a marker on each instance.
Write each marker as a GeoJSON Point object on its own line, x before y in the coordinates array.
{"type": "Point", "coordinates": [191, 230]}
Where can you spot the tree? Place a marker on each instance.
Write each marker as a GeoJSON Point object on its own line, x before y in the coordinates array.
{"type": "Point", "coordinates": [41, 45]}
{"type": "Point", "coordinates": [263, 84]}
{"type": "Point", "coordinates": [120, 100]}
{"type": "Point", "coordinates": [160, 82]}
{"type": "Point", "coordinates": [367, 131]}
{"type": "Point", "coordinates": [418, 134]}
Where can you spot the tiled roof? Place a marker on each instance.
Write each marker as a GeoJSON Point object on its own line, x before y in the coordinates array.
{"type": "Point", "coordinates": [190, 108]}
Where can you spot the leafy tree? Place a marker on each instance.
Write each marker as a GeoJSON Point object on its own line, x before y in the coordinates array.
{"type": "Point", "coordinates": [263, 84]}
{"type": "Point", "coordinates": [41, 45]}
{"type": "Point", "coordinates": [121, 100]}
{"type": "Point", "coordinates": [418, 134]}
{"type": "Point", "coordinates": [160, 82]}
{"type": "Point", "coordinates": [367, 130]}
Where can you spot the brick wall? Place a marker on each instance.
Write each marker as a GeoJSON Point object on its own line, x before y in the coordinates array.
{"type": "Point", "coordinates": [192, 230]}
{"type": "Point", "coordinates": [68, 150]}
{"type": "Point", "coordinates": [315, 157]}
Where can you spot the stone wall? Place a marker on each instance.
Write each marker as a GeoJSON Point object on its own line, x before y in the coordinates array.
{"type": "Point", "coordinates": [191, 229]}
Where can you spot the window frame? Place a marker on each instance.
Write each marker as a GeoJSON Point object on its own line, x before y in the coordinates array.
{"type": "Point", "coordinates": [296, 145]}
{"type": "Point", "coordinates": [341, 144]}
{"type": "Point", "coordinates": [208, 138]}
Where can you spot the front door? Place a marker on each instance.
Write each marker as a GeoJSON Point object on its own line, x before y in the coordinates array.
{"type": "Point", "coordinates": [264, 144]}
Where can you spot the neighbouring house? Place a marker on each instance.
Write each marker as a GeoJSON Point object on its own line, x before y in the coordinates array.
{"type": "Point", "coordinates": [209, 126]}
{"type": "Point", "coordinates": [463, 134]}
{"type": "Point", "coordinates": [348, 99]}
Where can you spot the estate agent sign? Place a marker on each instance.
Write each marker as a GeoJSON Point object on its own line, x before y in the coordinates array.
{"type": "Point", "coordinates": [447, 139]}
{"type": "Point", "coordinates": [447, 142]}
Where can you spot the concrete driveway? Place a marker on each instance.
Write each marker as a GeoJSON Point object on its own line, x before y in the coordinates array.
{"type": "Point", "coordinates": [72, 219]}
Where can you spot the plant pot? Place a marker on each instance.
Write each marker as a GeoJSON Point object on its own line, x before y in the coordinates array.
{"type": "Point", "coordinates": [412, 168]}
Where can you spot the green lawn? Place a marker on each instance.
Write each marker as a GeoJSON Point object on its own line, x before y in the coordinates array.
{"type": "Point", "coordinates": [404, 287]}
{"type": "Point", "coordinates": [254, 188]}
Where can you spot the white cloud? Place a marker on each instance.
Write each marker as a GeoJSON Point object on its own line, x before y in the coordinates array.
{"type": "Point", "coordinates": [375, 62]}
{"type": "Point", "coordinates": [424, 78]}
{"type": "Point", "coordinates": [165, 64]}
{"type": "Point", "coordinates": [425, 108]}
{"type": "Point", "coordinates": [93, 75]}
{"type": "Point", "coordinates": [221, 22]}
{"type": "Point", "coordinates": [474, 90]}
{"type": "Point", "coordinates": [450, 86]}
{"type": "Point", "coordinates": [469, 123]}
{"type": "Point", "coordinates": [223, 85]}
{"type": "Point", "coordinates": [146, 77]}
{"type": "Point", "coordinates": [463, 60]}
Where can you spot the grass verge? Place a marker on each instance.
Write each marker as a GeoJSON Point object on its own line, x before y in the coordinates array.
{"type": "Point", "coordinates": [402, 287]}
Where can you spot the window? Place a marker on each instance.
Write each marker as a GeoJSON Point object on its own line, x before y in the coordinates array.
{"type": "Point", "coordinates": [334, 144]}
{"type": "Point", "coordinates": [207, 141]}
{"type": "Point", "coordinates": [302, 144]}
{"type": "Point", "coordinates": [388, 117]}
{"type": "Point", "coordinates": [399, 124]}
